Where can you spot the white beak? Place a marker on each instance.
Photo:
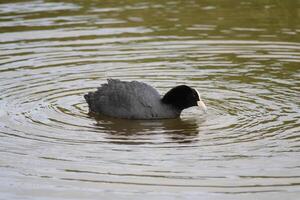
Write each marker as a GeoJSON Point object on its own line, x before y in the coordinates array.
{"type": "Point", "coordinates": [202, 105]}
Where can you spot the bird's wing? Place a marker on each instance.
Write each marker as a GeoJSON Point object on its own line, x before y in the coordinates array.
{"type": "Point", "coordinates": [125, 99]}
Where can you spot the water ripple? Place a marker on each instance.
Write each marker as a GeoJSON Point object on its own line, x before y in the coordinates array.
{"type": "Point", "coordinates": [247, 143]}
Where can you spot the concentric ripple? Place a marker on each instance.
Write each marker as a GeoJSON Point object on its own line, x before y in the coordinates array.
{"type": "Point", "coordinates": [51, 54]}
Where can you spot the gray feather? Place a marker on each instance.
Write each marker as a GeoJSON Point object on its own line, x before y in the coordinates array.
{"type": "Point", "coordinates": [134, 100]}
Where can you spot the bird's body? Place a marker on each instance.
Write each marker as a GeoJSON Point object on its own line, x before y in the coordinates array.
{"type": "Point", "coordinates": [131, 100]}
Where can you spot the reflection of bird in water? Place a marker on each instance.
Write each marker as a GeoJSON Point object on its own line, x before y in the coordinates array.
{"type": "Point", "coordinates": [137, 100]}
{"type": "Point", "coordinates": [141, 131]}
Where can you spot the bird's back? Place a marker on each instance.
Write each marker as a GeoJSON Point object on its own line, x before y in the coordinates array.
{"type": "Point", "coordinates": [133, 100]}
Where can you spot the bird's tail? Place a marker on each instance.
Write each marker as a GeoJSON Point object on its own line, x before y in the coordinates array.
{"type": "Point", "coordinates": [89, 99]}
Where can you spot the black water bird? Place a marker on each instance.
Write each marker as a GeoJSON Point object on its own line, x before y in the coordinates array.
{"type": "Point", "coordinates": [138, 100]}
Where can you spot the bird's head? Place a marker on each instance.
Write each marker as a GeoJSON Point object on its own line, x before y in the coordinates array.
{"type": "Point", "coordinates": [182, 97]}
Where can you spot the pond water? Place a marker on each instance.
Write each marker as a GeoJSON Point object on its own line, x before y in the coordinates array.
{"type": "Point", "coordinates": [243, 57]}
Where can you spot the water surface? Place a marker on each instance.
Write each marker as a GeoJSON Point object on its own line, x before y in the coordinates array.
{"type": "Point", "coordinates": [243, 56]}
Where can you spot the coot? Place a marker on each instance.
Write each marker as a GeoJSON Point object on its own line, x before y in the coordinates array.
{"type": "Point", "coordinates": [138, 100]}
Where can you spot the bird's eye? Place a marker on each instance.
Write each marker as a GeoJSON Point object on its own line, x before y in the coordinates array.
{"type": "Point", "coordinates": [196, 94]}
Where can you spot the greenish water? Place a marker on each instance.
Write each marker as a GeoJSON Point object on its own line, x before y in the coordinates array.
{"type": "Point", "coordinates": [243, 56]}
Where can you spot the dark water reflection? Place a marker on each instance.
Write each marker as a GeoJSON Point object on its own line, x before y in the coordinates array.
{"type": "Point", "coordinates": [142, 131]}
{"type": "Point", "coordinates": [243, 56]}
